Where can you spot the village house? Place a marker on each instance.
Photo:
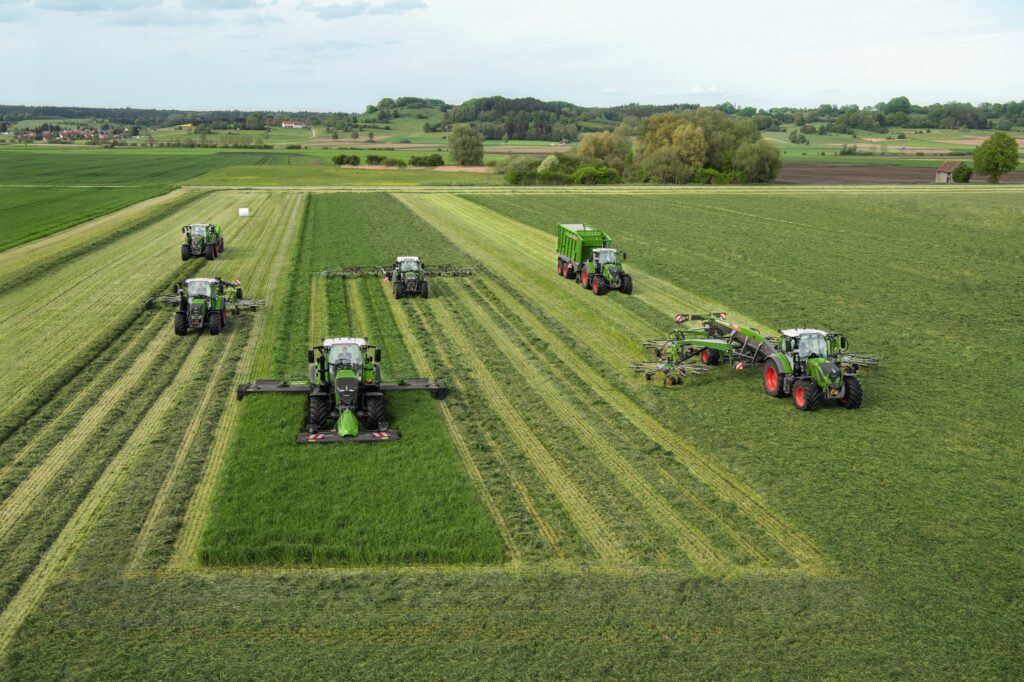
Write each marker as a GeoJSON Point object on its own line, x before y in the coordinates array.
{"type": "Point", "coordinates": [944, 174]}
{"type": "Point", "coordinates": [293, 124]}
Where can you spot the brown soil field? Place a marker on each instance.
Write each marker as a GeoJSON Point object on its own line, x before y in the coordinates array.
{"type": "Point", "coordinates": [874, 174]}
{"type": "Point", "coordinates": [465, 169]}
{"type": "Point", "coordinates": [977, 139]}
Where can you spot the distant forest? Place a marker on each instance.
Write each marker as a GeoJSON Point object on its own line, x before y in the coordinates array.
{"type": "Point", "coordinates": [527, 118]}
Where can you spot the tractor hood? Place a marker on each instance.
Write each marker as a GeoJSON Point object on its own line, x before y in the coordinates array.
{"type": "Point", "coordinates": [346, 384]}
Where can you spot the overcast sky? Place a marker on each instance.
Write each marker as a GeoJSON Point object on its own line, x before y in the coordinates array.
{"type": "Point", "coordinates": [339, 55]}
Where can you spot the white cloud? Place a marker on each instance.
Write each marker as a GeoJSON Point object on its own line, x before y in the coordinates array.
{"type": "Point", "coordinates": [344, 10]}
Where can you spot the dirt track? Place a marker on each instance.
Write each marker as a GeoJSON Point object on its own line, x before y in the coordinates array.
{"type": "Point", "coordinates": [843, 174]}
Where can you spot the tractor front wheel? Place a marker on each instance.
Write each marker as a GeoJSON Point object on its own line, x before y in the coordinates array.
{"type": "Point", "coordinates": [319, 410]}
{"type": "Point", "coordinates": [853, 395]}
{"type": "Point", "coordinates": [772, 380]}
{"type": "Point", "coordinates": [186, 252]}
{"type": "Point", "coordinates": [584, 280]}
{"type": "Point", "coordinates": [397, 289]}
{"type": "Point", "coordinates": [208, 251]}
{"type": "Point", "coordinates": [423, 289]}
{"type": "Point", "coordinates": [626, 284]}
{"type": "Point", "coordinates": [806, 395]}
{"type": "Point", "coordinates": [600, 285]}
{"type": "Point", "coordinates": [180, 324]}
{"type": "Point", "coordinates": [214, 322]}
{"type": "Point", "coordinates": [374, 412]}
{"type": "Point", "coordinates": [560, 269]}
{"type": "Point", "coordinates": [710, 356]}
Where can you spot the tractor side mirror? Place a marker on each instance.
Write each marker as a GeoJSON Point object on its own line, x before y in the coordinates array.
{"type": "Point", "coordinates": [623, 255]}
{"type": "Point", "coordinates": [174, 288]}
{"type": "Point", "coordinates": [309, 356]}
{"type": "Point", "coordinates": [376, 355]}
{"type": "Point", "coordinates": [842, 342]}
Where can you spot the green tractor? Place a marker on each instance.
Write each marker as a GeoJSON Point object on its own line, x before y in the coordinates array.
{"type": "Point", "coordinates": [345, 393]}
{"type": "Point", "coordinates": [407, 275]}
{"type": "Point", "coordinates": [202, 239]}
{"type": "Point", "coordinates": [204, 302]}
{"type": "Point", "coordinates": [813, 366]}
{"type": "Point", "coordinates": [585, 254]}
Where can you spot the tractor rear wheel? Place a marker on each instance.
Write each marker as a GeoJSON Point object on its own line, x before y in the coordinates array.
{"type": "Point", "coordinates": [180, 324]}
{"type": "Point", "coordinates": [560, 269]}
{"type": "Point", "coordinates": [374, 412]}
{"type": "Point", "coordinates": [397, 288]}
{"type": "Point", "coordinates": [424, 289]}
{"type": "Point", "coordinates": [186, 252]}
{"type": "Point", "coordinates": [853, 395]}
{"type": "Point", "coordinates": [208, 252]}
{"type": "Point", "coordinates": [600, 285]}
{"type": "Point", "coordinates": [626, 284]}
{"type": "Point", "coordinates": [214, 322]}
{"type": "Point", "coordinates": [773, 379]}
{"type": "Point", "coordinates": [319, 410]}
{"type": "Point", "coordinates": [806, 395]}
{"type": "Point", "coordinates": [710, 356]}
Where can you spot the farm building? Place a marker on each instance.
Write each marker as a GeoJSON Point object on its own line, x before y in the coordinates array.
{"type": "Point", "coordinates": [944, 174]}
{"type": "Point", "coordinates": [293, 124]}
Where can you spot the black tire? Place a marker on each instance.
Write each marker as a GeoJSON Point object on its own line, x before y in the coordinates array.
{"type": "Point", "coordinates": [600, 285]}
{"type": "Point", "coordinates": [397, 288]}
{"type": "Point", "coordinates": [560, 268]}
{"type": "Point", "coordinates": [570, 272]}
{"type": "Point", "coordinates": [238, 294]}
{"type": "Point", "coordinates": [806, 395]}
{"type": "Point", "coordinates": [220, 246]}
{"type": "Point", "coordinates": [424, 290]}
{"type": "Point", "coordinates": [180, 324]}
{"type": "Point", "coordinates": [626, 284]}
{"type": "Point", "coordinates": [214, 322]}
{"type": "Point", "coordinates": [853, 395]}
{"type": "Point", "coordinates": [374, 412]}
{"type": "Point", "coordinates": [186, 252]}
{"type": "Point", "coordinates": [319, 411]}
{"type": "Point", "coordinates": [208, 252]}
{"type": "Point", "coordinates": [773, 380]}
{"type": "Point", "coordinates": [710, 356]}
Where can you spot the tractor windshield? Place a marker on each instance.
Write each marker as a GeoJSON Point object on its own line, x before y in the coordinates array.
{"type": "Point", "coordinates": [347, 355]}
{"type": "Point", "coordinates": [812, 344]}
{"type": "Point", "coordinates": [606, 256]}
{"type": "Point", "coordinates": [199, 289]}
{"type": "Point", "coordinates": [198, 231]}
{"type": "Point", "coordinates": [408, 266]}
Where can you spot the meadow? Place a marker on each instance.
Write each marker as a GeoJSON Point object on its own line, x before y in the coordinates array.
{"type": "Point", "coordinates": [555, 516]}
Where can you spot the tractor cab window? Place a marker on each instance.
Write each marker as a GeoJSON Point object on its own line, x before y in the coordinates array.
{"type": "Point", "coordinates": [812, 344]}
{"type": "Point", "coordinates": [199, 289]}
{"type": "Point", "coordinates": [408, 266]}
{"type": "Point", "coordinates": [198, 231]}
{"type": "Point", "coordinates": [345, 355]}
{"type": "Point", "coordinates": [605, 256]}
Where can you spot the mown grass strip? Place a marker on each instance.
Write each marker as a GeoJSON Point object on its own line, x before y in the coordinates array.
{"type": "Point", "coordinates": [591, 525]}
{"type": "Point", "coordinates": [558, 392]}
{"type": "Point", "coordinates": [424, 368]}
{"type": "Point", "coordinates": [318, 309]}
{"type": "Point", "coordinates": [266, 277]}
{"type": "Point", "coordinates": [476, 229]}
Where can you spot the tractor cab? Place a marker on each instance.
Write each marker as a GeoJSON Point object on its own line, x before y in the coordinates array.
{"type": "Point", "coordinates": [408, 264]}
{"type": "Point", "coordinates": [198, 230]}
{"type": "Point", "coordinates": [200, 287]}
{"type": "Point", "coordinates": [607, 256]}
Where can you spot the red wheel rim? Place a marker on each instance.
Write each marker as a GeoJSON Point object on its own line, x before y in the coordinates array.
{"type": "Point", "coordinates": [771, 379]}
{"type": "Point", "coordinates": [595, 285]}
{"type": "Point", "coordinates": [584, 278]}
{"type": "Point", "coordinates": [798, 395]}
{"type": "Point", "coordinates": [704, 357]}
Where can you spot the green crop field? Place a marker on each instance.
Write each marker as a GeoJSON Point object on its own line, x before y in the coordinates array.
{"type": "Point", "coordinates": [555, 516]}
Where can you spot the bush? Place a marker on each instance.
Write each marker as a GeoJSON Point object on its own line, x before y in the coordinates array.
{"type": "Point", "coordinates": [345, 159]}
{"type": "Point", "coordinates": [293, 146]}
{"type": "Point", "coordinates": [848, 150]}
{"type": "Point", "coordinates": [757, 161]}
{"type": "Point", "coordinates": [962, 173]}
{"type": "Point", "coordinates": [521, 176]}
{"type": "Point", "coordinates": [374, 159]}
{"type": "Point", "coordinates": [901, 136]}
{"type": "Point", "coordinates": [430, 161]}
{"type": "Point", "coordinates": [395, 163]}
{"type": "Point", "coordinates": [705, 176]}
{"type": "Point", "coordinates": [589, 175]}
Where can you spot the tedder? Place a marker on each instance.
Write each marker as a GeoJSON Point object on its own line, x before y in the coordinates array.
{"type": "Point", "coordinates": [202, 239]}
{"type": "Point", "coordinates": [204, 302]}
{"type": "Point", "coordinates": [407, 275]}
{"type": "Point", "coordinates": [345, 393]}
{"type": "Point", "coordinates": [808, 364]}
{"type": "Point", "coordinates": [585, 254]}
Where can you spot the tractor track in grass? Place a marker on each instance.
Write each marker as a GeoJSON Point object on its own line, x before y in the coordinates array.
{"type": "Point", "coordinates": [476, 229]}
{"type": "Point", "coordinates": [85, 517]}
{"type": "Point", "coordinates": [422, 366]}
{"type": "Point", "coordinates": [317, 309]}
{"type": "Point", "coordinates": [551, 384]}
{"type": "Point", "coordinates": [544, 529]}
{"type": "Point", "coordinates": [588, 520]}
{"type": "Point", "coordinates": [358, 324]}
{"type": "Point", "coordinates": [273, 258]}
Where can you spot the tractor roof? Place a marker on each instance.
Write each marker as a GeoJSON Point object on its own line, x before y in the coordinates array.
{"type": "Point", "coordinates": [800, 331]}
{"type": "Point", "coordinates": [576, 227]}
{"type": "Point", "coordinates": [402, 259]}
{"type": "Point", "coordinates": [211, 280]}
{"type": "Point", "coordinates": [344, 339]}
{"type": "Point", "coordinates": [201, 225]}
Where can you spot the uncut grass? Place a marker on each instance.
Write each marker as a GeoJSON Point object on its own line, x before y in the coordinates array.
{"type": "Point", "coordinates": [915, 492]}
{"type": "Point", "coordinates": [28, 213]}
{"type": "Point", "coordinates": [405, 502]}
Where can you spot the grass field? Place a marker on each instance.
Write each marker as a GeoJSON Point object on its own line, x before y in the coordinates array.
{"type": "Point", "coordinates": [315, 176]}
{"type": "Point", "coordinates": [555, 517]}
